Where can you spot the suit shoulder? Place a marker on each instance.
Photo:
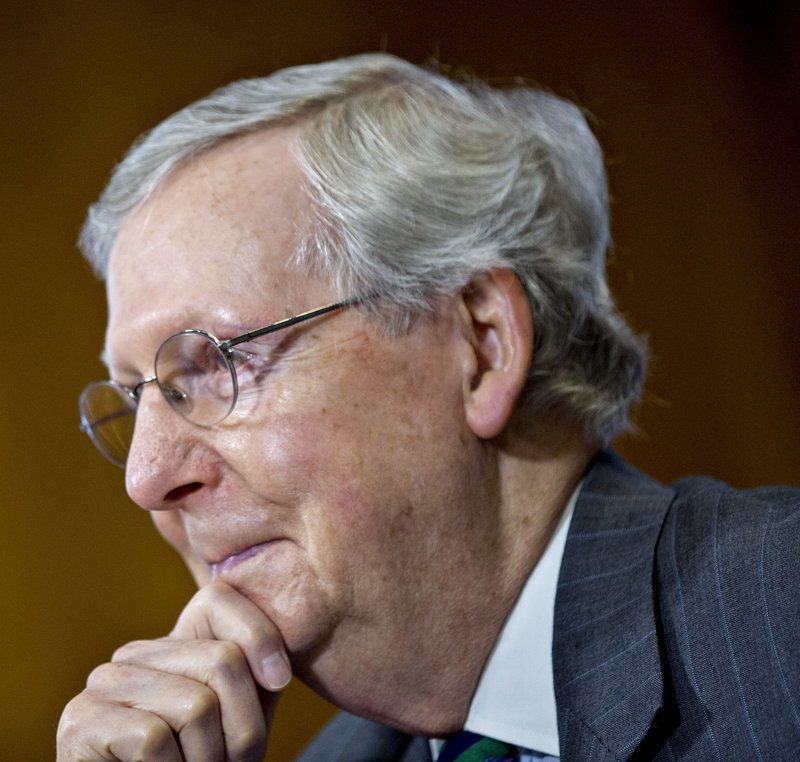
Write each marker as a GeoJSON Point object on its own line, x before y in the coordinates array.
{"type": "Point", "coordinates": [700, 490]}
{"type": "Point", "coordinates": [728, 603]}
{"type": "Point", "coordinates": [714, 533]}
{"type": "Point", "coordinates": [702, 505]}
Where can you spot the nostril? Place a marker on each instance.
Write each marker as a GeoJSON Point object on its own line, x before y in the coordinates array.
{"type": "Point", "coordinates": [180, 492]}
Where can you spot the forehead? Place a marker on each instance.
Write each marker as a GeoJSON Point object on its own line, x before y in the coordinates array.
{"type": "Point", "coordinates": [217, 233]}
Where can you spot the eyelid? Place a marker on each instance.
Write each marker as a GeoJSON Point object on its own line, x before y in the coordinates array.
{"type": "Point", "coordinates": [238, 355]}
{"type": "Point", "coordinates": [126, 380]}
{"type": "Point", "coordinates": [264, 346]}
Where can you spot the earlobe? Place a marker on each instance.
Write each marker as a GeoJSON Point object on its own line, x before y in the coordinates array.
{"type": "Point", "coordinates": [502, 342]}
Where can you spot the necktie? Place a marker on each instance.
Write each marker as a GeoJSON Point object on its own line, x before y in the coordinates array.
{"type": "Point", "coordinates": [471, 747]}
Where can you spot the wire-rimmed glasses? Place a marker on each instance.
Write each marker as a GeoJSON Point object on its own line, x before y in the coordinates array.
{"type": "Point", "coordinates": [196, 373]}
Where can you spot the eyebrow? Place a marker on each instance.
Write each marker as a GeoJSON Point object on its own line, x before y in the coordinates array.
{"type": "Point", "coordinates": [277, 327]}
{"type": "Point", "coordinates": [229, 330]}
{"type": "Point", "coordinates": [124, 370]}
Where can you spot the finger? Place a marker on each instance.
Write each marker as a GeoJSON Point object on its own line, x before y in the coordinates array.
{"type": "Point", "coordinates": [218, 611]}
{"type": "Point", "coordinates": [218, 666]}
{"type": "Point", "coordinates": [96, 730]}
{"type": "Point", "coordinates": [190, 708]}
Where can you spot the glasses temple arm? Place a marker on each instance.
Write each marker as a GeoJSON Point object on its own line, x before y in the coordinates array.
{"type": "Point", "coordinates": [290, 321]}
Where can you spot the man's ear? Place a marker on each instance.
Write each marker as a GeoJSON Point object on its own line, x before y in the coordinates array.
{"type": "Point", "coordinates": [502, 342]}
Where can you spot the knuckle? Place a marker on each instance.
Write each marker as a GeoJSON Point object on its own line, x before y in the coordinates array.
{"type": "Point", "coordinates": [101, 675]}
{"type": "Point", "coordinates": [71, 719]}
{"type": "Point", "coordinates": [209, 596]}
{"type": "Point", "coordinates": [193, 620]}
{"type": "Point", "coordinates": [226, 652]}
{"type": "Point", "coordinates": [126, 652]}
{"type": "Point", "coordinates": [200, 704]}
{"type": "Point", "coordinates": [249, 745]}
{"type": "Point", "coordinates": [258, 637]}
{"type": "Point", "coordinates": [214, 593]}
{"type": "Point", "coordinates": [77, 726]}
{"type": "Point", "coordinates": [226, 657]}
{"type": "Point", "coordinates": [197, 605]}
{"type": "Point", "coordinates": [153, 738]}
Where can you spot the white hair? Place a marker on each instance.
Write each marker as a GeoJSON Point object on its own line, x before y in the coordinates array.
{"type": "Point", "coordinates": [421, 183]}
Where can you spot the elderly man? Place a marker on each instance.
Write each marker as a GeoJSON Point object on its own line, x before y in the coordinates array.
{"type": "Point", "coordinates": [365, 365]}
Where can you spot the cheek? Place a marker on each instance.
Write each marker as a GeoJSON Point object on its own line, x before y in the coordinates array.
{"type": "Point", "coordinates": [350, 413]}
{"type": "Point", "coordinates": [303, 443]}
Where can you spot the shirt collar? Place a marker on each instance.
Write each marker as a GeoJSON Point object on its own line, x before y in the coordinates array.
{"type": "Point", "coordinates": [515, 700]}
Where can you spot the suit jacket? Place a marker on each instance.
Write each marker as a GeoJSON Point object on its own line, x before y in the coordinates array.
{"type": "Point", "coordinates": [676, 634]}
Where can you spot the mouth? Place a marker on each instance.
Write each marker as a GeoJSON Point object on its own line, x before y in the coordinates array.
{"type": "Point", "coordinates": [240, 556]}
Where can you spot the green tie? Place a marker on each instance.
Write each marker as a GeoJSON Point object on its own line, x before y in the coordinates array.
{"type": "Point", "coordinates": [471, 747]}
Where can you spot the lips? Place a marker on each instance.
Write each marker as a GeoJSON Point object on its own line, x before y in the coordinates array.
{"type": "Point", "coordinates": [234, 559]}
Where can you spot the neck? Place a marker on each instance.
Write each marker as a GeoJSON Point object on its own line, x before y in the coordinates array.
{"type": "Point", "coordinates": [538, 475]}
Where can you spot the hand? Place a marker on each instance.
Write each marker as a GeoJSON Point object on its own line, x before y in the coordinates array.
{"type": "Point", "coordinates": [194, 696]}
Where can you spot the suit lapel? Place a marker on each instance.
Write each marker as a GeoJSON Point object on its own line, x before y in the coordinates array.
{"type": "Point", "coordinates": [606, 654]}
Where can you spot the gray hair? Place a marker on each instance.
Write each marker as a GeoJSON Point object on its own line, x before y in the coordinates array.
{"type": "Point", "coordinates": [421, 183]}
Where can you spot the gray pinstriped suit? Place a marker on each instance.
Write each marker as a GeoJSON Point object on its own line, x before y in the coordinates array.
{"type": "Point", "coordinates": [677, 628]}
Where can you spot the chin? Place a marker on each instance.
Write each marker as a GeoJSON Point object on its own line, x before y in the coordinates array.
{"type": "Point", "coordinates": [302, 615]}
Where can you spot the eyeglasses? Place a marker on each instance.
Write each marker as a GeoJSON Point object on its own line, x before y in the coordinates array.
{"type": "Point", "coordinates": [197, 375]}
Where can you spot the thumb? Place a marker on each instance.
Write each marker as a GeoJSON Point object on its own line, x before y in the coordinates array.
{"type": "Point", "coordinates": [220, 612]}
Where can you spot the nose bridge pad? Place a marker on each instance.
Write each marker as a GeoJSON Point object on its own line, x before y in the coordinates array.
{"type": "Point", "coordinates": [139, 388]}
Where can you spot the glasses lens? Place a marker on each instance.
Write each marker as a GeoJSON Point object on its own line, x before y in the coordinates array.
{"type": "Point", "coordinates": [107, 416]}
{"type": "Point", "coordinates": [196, 377]}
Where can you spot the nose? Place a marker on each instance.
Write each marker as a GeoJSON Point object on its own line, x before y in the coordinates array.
{"type": "Point", "coordinates": [165, 463]}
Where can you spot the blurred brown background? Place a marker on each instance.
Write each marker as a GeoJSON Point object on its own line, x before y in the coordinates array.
{"type": "Point", "coordinates": [697, 107]}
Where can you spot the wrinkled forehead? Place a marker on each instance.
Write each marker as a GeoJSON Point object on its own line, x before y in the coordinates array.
{"type": "Point", "coordinates": [223, 225]}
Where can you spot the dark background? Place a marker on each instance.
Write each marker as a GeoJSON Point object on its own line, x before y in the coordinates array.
{"type": "Point", "coordinates": [696, 106]}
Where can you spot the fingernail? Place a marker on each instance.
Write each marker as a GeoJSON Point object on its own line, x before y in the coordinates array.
{"type": "Point", "coordinates": [276, 670]}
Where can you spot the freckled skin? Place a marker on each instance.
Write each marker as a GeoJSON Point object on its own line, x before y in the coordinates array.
{"type": "Point", "coordinates": [348, 452]}
{"type": "Point", "coordinates": [354, 457]}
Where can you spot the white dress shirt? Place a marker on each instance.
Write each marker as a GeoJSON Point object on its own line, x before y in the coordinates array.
{"type": "Point", "coordinates": [515, 701]}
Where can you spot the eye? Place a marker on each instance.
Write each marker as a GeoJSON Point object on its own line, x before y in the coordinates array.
{"type": "Point", "coordinates": [251, 367]}
{"type": "Point", "coordinates": [240, 356]}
